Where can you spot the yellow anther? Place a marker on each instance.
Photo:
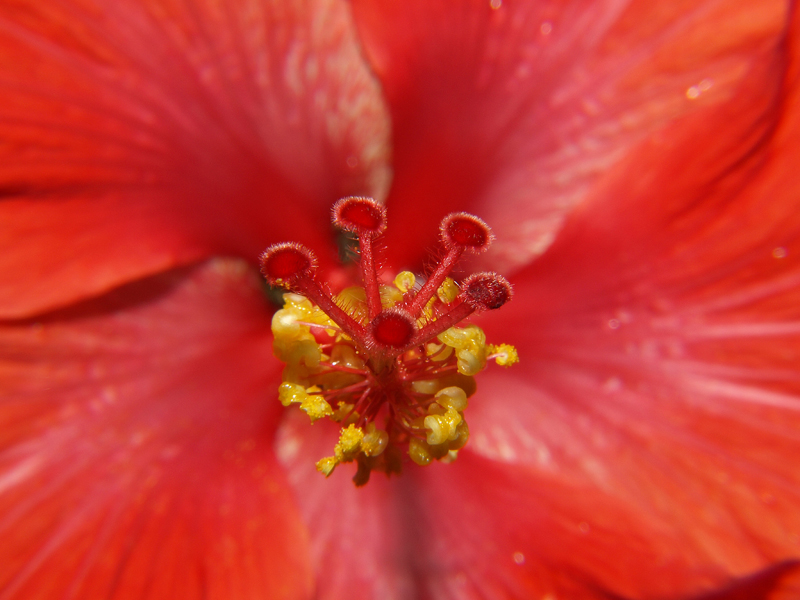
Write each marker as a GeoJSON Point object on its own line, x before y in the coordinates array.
{"type": "Point", "coordinates": [327, 465]}
{"type": "Point", "coordinates": [375, 441]}
{"type": "Point", "coordinates": [442, 427]}
{"type": "Point", "coordinates": [470, 345]}
{"type": "Point", "coordinates": [438, 352]}
{"type": "Point", "coordinates": [349, 443]}
{"type": "Point", "coordinates": [298, 308]}
{"type": "Point", "coordinates": [353, 300]}
{"type": "Point", "coordinates": [284, 324]}
{"type": "Point", "coordinates": [345, 413]}
{"type": "Point", "coordinates": [425, 386]}
{"type": "Point", "coordinates": [310, 401]}
{"type": "Point", "coordinates": [462, 436]}
{"type": "Point", "coordinates": [305, 352]}
{"type": "Point", "coordinates": [291, 392]}
{"type": "Point", "coordinates": [419, 451]}
{"type": "Point", "coordinates": [390, 296]}
{"type": "Point", "coordinates": [404, 281]}
{"type": "Point", "coordinates": [294, 344]}
{"type": "Point", "coordinates": [316, 406]}
{"type": "Point", "coordinates": [345, 355]}
{"type": "Point", "coordinates": [448, 291]}
{"type": "Point", "coordinates": [470, 363]}
{"type": "Point", "coordinates": [453, 420]}
{"type": "Point", "coordinates": [504, 355]}
{"type": "Point", "coordinates": [452, 397]}
{"type": "Point", "coordinates": [438, 429]}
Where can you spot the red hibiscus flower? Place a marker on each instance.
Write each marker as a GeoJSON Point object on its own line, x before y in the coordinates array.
{"type": "Point", "coordinates": [637, 163]}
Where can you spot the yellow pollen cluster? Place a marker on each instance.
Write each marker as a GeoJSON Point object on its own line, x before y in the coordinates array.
{"type": "Point", "coordinates": [294, 344]}
{"type": "Point", "coordinates": [504, 355]}
{"type": "Point", "coordinates": [470, 346]}
{"type": "Point", "coordinates": [309, 399]}
{"type": "Point", "coordinates": [352, 441]}
{"type": "Point", "coordinates": [446, 430]}
{"type": "Point", "coordinates": [405, 281]}
{"type": "Point", "coordinates": [448, 291]}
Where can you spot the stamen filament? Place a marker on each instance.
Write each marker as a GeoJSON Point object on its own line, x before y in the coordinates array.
{"type": "Point", "coordinates": [345, 369]}
{"type": "Point", "coordinates": [319, 326]}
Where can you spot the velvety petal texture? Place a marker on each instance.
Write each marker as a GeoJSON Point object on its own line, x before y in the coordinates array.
{"type": "Point", "coordinates": [363, 540]}
{"type": "Point", "coordinates": [135, 452]}
{"type": "Point", "coordinates": [138, 135]}
{"type": "Point", "coordinates": [660, 334]}
{"type": "Point", "coordinates": [513, 110]}
{"type": "Point", "coordinates": [637, 162]}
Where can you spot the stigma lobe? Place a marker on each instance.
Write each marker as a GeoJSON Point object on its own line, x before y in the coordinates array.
{"type": "Point", "coordinates": [486, 291]}
{"type": "Point", "coordinates": [361, 215]}
{"type": "Point", "coordinates": [463, 230]}
{"type": "Point", "coordinates": [284, 262]}
{"type": "Point", "coordinates": [393, 327]}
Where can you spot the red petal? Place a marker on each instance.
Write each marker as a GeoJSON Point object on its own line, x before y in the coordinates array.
{"type": "Point", "coordinates": [488, 530]}
{"type": "Point", "coordinates": [781, 582]}
{"type": "Point", "coordinates": [477, 529]}
{"type": "Point", "coordinates": [361, 539]}
{"type": "Point", "coordinates": [141, 135]}
{"type": "Point", "coordinates": [136, 448]}
{"type": "Point", "coordinates": [513, 113]}
{"type": "Point", "coordinates": [659, 387]}
{"type": "Point", "coordinates": [425, 534]}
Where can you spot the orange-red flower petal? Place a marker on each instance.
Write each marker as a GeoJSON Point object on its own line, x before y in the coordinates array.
{"type": "Point", "coordinates": [140, 135]}
{"type": "Point", "coordinates": [661, 338]}
{"type": "Point", "coordinates": [136, 452]}
{"type": "Point", "coordinates": [363, 538]}
{"type": "Point", "coordinates": [494, 530]}
{"type": "Point", "coordinates": [482, 528]}
{"type": "Point", "coordinates": [513, 110]}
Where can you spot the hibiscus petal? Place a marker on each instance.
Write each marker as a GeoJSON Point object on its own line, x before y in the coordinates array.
{"type": "Point", "coordinates": [136, 447]}
{"type": "Point", "coordinates": [489, 530]}
{"type": "Point", "coordinates": [781, 582]}
{"type": "Point", "coordinates": [480, 529]}
{"type": "Point", "coordinates": [361, 538]}
{"type": "Point", "coordinates": [513, 109]}
{"type": "Point", "coordinates": [142, 135]}
{"type": "Point", "coordinates": [660, 341]}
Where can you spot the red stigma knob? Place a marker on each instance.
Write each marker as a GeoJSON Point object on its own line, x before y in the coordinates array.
{"type": "Point", "coordinates": [287, 261]}
{"type": "Point", "coordinates": [466, 231]}
{"type": "Point", "coordinates": [360, 215]}
{"type": "Point", "coordinates": [486, 291]}
{"type": "Point", "coordinates": [393, 328]}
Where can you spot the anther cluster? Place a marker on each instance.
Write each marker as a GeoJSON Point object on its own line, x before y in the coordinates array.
{"type": "Point", "coordinates": [392, 363]}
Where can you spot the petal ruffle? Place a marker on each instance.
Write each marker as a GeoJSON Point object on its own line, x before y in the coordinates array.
{"type": "Point", "coordinates": [513, 109]}
{"type": "Point", "coordinates": [136, 448]}
{"type": "Point", "coordinates": [141, 135]}
{"type": "Point", "coordinates": [660, 338]}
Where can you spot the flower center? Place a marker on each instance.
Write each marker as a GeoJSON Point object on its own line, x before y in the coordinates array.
{"type": "Point", "coordinates": [394, 360]}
